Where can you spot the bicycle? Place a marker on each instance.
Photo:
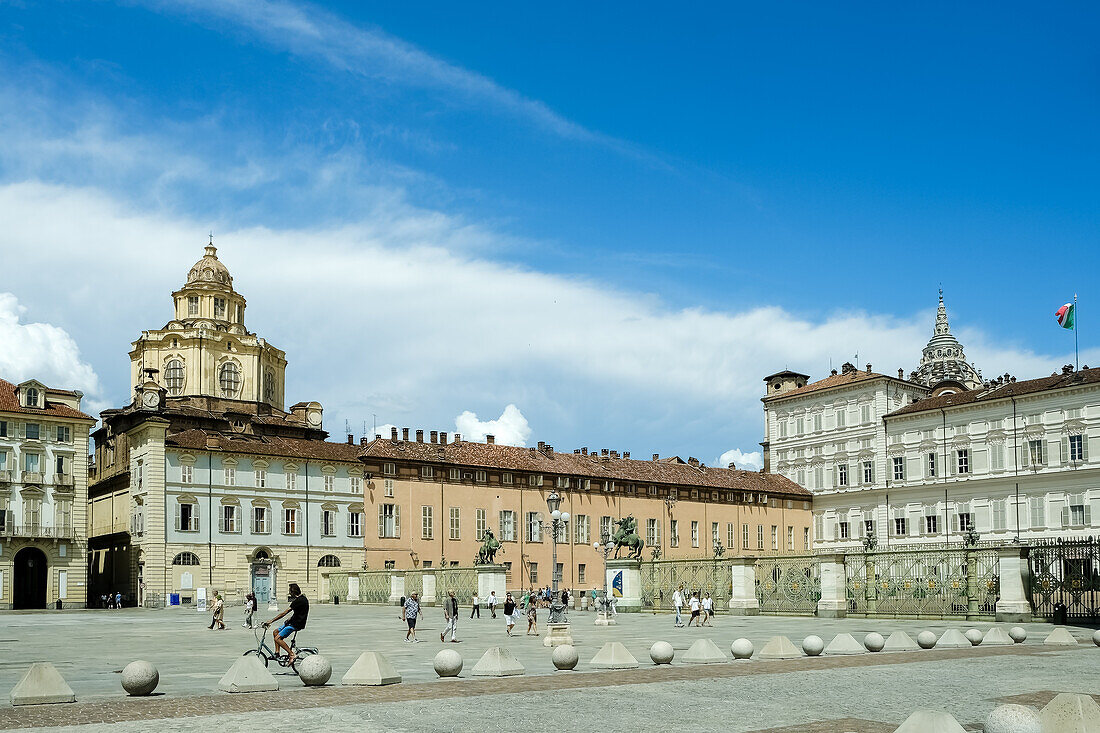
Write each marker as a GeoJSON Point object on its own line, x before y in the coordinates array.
{"type": "Point", "coordinates": [266, 654]}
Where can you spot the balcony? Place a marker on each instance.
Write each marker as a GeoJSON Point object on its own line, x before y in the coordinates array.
{"type": "Point", "coordinates": [5, 476]}
{"type": "Point", "coordinates": [32, 477]}
{"type": "Point", "coordinates": [36, 531]}
{"type": "Point", "coordinates": [63, 481]}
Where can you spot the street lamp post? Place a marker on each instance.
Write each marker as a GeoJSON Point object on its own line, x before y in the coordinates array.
{"type": "Point", "coordinates": [605, 546]}
{"type": "Point", "coordinates": [558, 521]}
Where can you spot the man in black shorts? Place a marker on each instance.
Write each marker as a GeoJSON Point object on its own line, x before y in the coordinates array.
{"type": "Point", "coordinates": [409, 612]}
{"type": "Point", "coordinates": [299, 606]}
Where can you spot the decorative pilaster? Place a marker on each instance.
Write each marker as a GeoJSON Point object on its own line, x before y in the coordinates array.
{"type": "Point", "coordinates": [1012, 568]}
{"type": "Point", "coordinates": [743, 601]}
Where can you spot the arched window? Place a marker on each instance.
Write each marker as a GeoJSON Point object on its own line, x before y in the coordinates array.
{"type": "Point", "coordinates": [328, 561]}
{"type": "Point", "coordinates": [173, 377]}
{"type": "Point", "coordinates": [32, 397]}
{"type": "Point", "coordinates": [262, 555]}
{"type": "Point", "coordinates": [269, 384]}
{"type": "Point", "coordinates": [186, 558]}
{"type": "Point", "coordinates": [229, 377]}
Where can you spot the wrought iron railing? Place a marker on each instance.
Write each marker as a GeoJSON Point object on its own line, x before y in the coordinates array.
{"type": "Point", "coordinates": [661, 578]}
{"type": "Point", "coordinates": [788, 584]}
{"type": "Point", "coordinates": [374, 586]}
{"type": "Point", "coordinates": [37, 531]}
{"type": "Point", "coordinates": [463, 581]}
{"type": "Point", "coordinates": [1066, 573]}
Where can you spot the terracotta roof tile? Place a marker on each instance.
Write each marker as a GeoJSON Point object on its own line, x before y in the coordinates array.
{"type": "Point", "coordinates": [265, 445]}
{"type": "Point", "coordinates": [9, 402]}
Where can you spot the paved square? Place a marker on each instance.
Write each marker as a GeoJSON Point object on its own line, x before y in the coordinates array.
{"type": "Point", "coordinates": [864, 693]}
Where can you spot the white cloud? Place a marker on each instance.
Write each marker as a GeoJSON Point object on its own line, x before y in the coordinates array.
{"type": "Point", "coordinates": [747, 461]}
{"type": "Point", "coordinates": [510, 428]}
{"type": "Point", "coordinates": [44, 352]}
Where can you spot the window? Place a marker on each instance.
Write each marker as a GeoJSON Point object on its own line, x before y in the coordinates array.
{"type": "Point", "coordinates": [533, 572]}
{"type": "Point", "coordinates": [269, 385]}
{"type": "Point", "coordinates": [506, 479]}
{"type": "Point", "coordinates": [389, 521]}
{"type": "Point", "coordinates": [356, 485]}
{"type": "Point", "coordinates": [581, 573]}
{"type": "Point", "coordinates": [901, 526]}
{"type": "Point", "coordinates": [355, 524]}
{"type": "Point", "coordinates": [229, 378]}
{"type": "Point", "coordinates": [964, 519]}
{"type": "Point", "coordinates": [455, 523]}
{"type": "Point", "coordinates": [259, 520]}
{"type": "Point", "coordinates": [931, 524]}
{"type": "Point", "coordinates": [799, 426]}
{"type": "Point", "coordinates": [32, 397]}
{"type": "Point", "coordinates": [261, 478]}
{"type": "Point", "coordinates": [186, 558]}
{"type": "Point", "coordinates": [963, 456]}
{"type": "Point", "coordinates": [817, 422]}
{"type": "Point", "coordinates": [290, 521]}
{"type": "Point", "coordinates": [230, 476]}
{"type": "Point", "coordinates": [192, 305]}
{"type": "Point", "coordinates": [65, 435]}
{"type": "Point", "coordinates": [534, 480]}
{"type": "Point", "coordinates": [186, 474]}
{"type": "Point", "coordinates": [31, 462]}
{"type": "Point", "coordinates": [389, 469]}
{"type": "Point", "coordinates": [534, 527]}
{"type": "Point", "coordinates": [330, 482]}
{"type": "Point", "coordinates": [931, 463]}
{"type": "Point", "coordinates": [783, 429]}
{"type": "Point", "coordinates": [291, 480]}
{"type": "Point", "coordinates": [775, 537]}
{"type": "Point", "coordinates": [427, 522]}
{"type": "Point", "coordinates": [805, 538]}
{"type": "Point", "coordinates": [673, 533]}
{"type": "Point", "coordinates": [230, 518]}
{"type": "Point", "coordinates": [760, 536]}
{"type": "Point", "coordinates": [841, 417]}
{"type": "Point", "coordinates": [790, 538]}
{"type": "Point", "coordinates": [328, 523]}
{"type": "Point", "coordinates": [715, 536]}
{"type": "Point", "coordinates": [480, 524]}
{"type": "Point", "coordinates": [1077, 451]}
{"type": "Point", "coordinates": [3, 428]}
{"type": "Point", "coordinates": [999, 520]}
{"type": "Point", "coordinates": [481, 476]}
{"type": "Point", "coordinates": [899, 468]}
{"type": "Point", "coordinates": [187, 517]}
{"type": "Point", "coordinates": [1036, 452]}
{"type": "Point", "coordinates": [996, 456]}
{"type": "Point", "coordinates": [454, 474]}
{"type": "Point", "coordinates": [240, 314]}
{"type": "Point", "coordinates": [387, 485]}
{"type": "Point", "coordinates": [3, 460]}
{"type": "Point", "coordinates": [427, 472]}
{"type": "Point", "coordinates": [605, 528]}
{"type": "Point", "coordinates": [219, 308]}
{"type": "Point", "coordinates": [694, 534]}
{"type": "Point", "coordinates": [580, 529]}
{"type": "Point", "coordinates": [173, 376]}
{"type": "Point", "coordinates": [745, 536]}
{"type": "Point", "coordinates": [865, 414]}
{"type": "Point", "coordinates": [328, 561]}
{"type": "Point", "coordinates": [842, 474]}
{"type": "Point", "coordinates": [59, 465]}
{"type": "Point", "coordinates": [652, 533]}
{"type": "Point", "coordinates": [34, 431]}
{"type": "Point", "coordinates": [507, 526]}
{"type": "Point", "coordinates": [868, 472]}
{"type": "Point", "coordinates": [1078, 511]}
{"type": "Point", "coordinates": [63, 516]}
{"type": "Point", "coordinates": [1038, 511]}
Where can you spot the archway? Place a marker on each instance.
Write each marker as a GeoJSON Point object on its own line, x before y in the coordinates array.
{"type": "Point", "coordinates": [29, 582]}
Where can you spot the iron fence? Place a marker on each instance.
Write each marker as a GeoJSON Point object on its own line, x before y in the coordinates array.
{"type": "Point", "coordinates": [788, 584]}
{"type": "Point", "coordinates": [374, 586]}
{"type": "Point", "coordinates": [1066, 572]}
{"type": "Point", "coordinates": [661, 578]}
{"type": "Point", "coordinates": [463, 581]}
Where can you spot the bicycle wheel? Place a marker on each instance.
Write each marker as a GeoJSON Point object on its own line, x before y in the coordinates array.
{"type": "Point", "coordinates": [299, 655]}
{"type": "Point", "coordinates": [260, 655]}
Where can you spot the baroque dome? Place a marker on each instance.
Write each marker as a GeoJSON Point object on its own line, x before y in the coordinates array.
{"type": "Point", "coordinates": [210, 271]}
{"type": "Point", "coordinates": [943, 357]}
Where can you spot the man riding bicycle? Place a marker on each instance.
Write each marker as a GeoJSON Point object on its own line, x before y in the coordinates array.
{"type": "Point", "coordinates": [299, 606]}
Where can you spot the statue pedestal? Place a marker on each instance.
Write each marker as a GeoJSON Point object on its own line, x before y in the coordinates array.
{"type": "Point", "coordinates": [556, 635]}
{"type": "Point", "coordinates": [605, 619]}
{"type": "Point", "coordinates": [492, 578]}
{"type": "Point", "coordinates": [624, 584]}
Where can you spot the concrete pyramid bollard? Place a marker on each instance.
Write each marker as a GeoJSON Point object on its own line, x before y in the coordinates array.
{"type": "Point", "coordinates": [497, 662]}
{"type": "Point", "coordinates": [704, 651]}
{"type": "Point", "coordinates": [373, 669]}
{"type": "Point", "coordinates": [899, 641]}
{"type": "Point", "coordinates": [1070, 713]}
{"type": "Point", "coordinates": [42, 684]}
{"type": "Point", "coordinates": [613, 655]}
{"type": "Point", "coordinates": [953, 639]}
{"type": "Point", "coordinates": [780, 647]}
{"type": "Point", "coordinates": [1060, 637]}
{"type": "Point", "coordinates": [996, 636]}
{"type": "Point", "coordinates": [930, 721]}
{"type": "Point", "coordinates": [1013, 719]}
{"type": "Point", "coordinates": [248, 674]}
{"type": "Point", "coordinates": [844, 644]}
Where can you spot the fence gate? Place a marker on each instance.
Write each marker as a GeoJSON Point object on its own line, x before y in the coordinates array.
{"type": "Point", "coordinates": [661, 578]}
{"type": "Point", "coordinates": [788, 584]}
{"type": "Point", "coordinates": [1066, 572]}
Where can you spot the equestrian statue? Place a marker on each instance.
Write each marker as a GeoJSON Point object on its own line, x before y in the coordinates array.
{"type": "Point", "coordinates": [627, 536]}
{"type": "Point", "coordinates": [489, 547]}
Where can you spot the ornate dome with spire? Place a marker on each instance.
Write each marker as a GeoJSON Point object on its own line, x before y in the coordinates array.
{"type": "Point", "coordinates": [209, 270]}
{"type": "Point", "coordinates": [943, 358]}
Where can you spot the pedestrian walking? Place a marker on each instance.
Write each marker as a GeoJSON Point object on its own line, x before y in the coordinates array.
{"type": "Point", "coordinates": [475, 606]}
{"type": "Point", "coordinates": [118, 600]}
{"type": "Point", "coordinates": [492, 603]}
{"type": "Point", "coordinates": [678, 604]}
{"type": "Point", "coordinates": [708, 610]}
{"type": "Point", "coordinates": [409, 612]}
{"type": "Point", "coordinates": [450, 616]}
{"type": "Point", "coordinates": [695, 607]}
{"type": "Point", "coordinates": [509, 613]}
{"type": "Point", "coordinates": [249, 609]}
{"type": "Point", "coordinates": [532, 615]}
{"type": "Point", "coordinates": [216, 612]}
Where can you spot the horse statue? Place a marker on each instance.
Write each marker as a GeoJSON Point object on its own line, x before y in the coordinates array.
{"type": "Point", "coordinates": [489, 547]}
{"type": "Point", "coordinates": [627, 536]}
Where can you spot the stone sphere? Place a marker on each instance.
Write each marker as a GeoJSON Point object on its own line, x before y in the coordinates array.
{"type": "Point", "coordinates": [974, 636]}
{"type": "Point", "coordinates": [565, 656]}
{"type": "Point", "coordinates": [874, 642]}
{"type": "Point", "coordinates": [812, 646]}
{"type": "Point", "coordinates": [140, 678]}
{"type": "Point", "coordinates": [741, 649]}
{"type": "Point", "coordinates": [1013, 719]}
{"type": "Point", "coordinates": [448, 663]}
{"type": "Point", "coordinates": [926, 640]}
{"type": "Point", "coordinates": [314, 670]}
{"type": "Point", "coordinates": [1096, 637]}
{"type": "Point", "coordinates": [1018, 634]}
{"type": "Point", "coordinates": [661, 652]}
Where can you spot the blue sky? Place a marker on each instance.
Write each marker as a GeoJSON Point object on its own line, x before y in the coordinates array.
{"type": "Point", "coordinates": [617, 222]}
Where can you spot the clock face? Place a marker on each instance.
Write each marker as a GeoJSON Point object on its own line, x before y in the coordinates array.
{"type": "Point", "coordinates": [151, 399]}
{"type": "Point", "coordinates": [314, 417]}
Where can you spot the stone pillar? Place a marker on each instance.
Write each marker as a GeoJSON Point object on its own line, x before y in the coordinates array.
{"type": "Point", "coordinates": [834, 587]}
{"type": "Point", "coordinates": [1014, 605]}
{"type": "Point", "coordinates": [971, 584]}
{"type": "Point", "coordinates": [397, 586]}
{"type": "Point", "coordinates": [630, 573]}
{"type": "Point", "coordinates": [743, 600]}
{"type": "Point", "coordinates": [491, 578]}
{"type": "Point", "coordinates": [353, 588]}
{"type": "Point", "coordinates": [427, 598]}
{"type": "Point", "coordinates": [273, 591]}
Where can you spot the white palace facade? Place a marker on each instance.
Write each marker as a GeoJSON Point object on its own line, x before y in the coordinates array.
{"type": "Point", "coordinates": [939, 455]}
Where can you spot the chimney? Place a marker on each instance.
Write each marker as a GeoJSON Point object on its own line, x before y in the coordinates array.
{"type": "Point", "coordinates": [603, 452]}
{"type": "Point", "coordinates": [435, 436]}
{"type": "Point", "coordinates": [404, 433]}
{"type": "Point", "coordinates": [576, 451]}
{"type": "Point", "coordinates": [834, 372]}
{"type": "Point", "coordinates": [542, 446]}
{"type": "Point", "coordinates": [656, 456]}
{"type": "Point", "coordinates": [549, 449]}
{"type": "Point", "coordinates": [731, 465]}
{"type": "Point", "coordinates": [419, 436]}
{"type": "Point", "coordinates": [868, 368]}
{"type": "Point", "coordinates": [626, 454]}
{"type": "Point", "coordinates": [615, 454]}
{"type": "Point", "coordinates": [584, 451]}
{"type": "Point", "coordinates": [458, 437]}
{"type": "Point", "coordinates": [443, 438]}
{"type": "Point", "coordinates": [393, 433]}
{"type": "Point", "coordinates": [351, 439]}
{"type": "Point", "coordinates": [693, 461]}
{"type": "Point", "coordinates": [490, 440]}
{"type": "Point", "coordinates": [363, 440]}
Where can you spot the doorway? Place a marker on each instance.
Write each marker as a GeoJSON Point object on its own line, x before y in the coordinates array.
{"type": "Point", "coordinates": [29, 581]}
{"type": "Point", "coordinates": [261, 582]}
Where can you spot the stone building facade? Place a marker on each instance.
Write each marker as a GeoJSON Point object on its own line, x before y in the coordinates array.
{"type": "Point", "coordinates": [43, 496]}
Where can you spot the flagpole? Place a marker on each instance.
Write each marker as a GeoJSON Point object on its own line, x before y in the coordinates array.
{"type": "Point", "coordinates": [1076, 351]}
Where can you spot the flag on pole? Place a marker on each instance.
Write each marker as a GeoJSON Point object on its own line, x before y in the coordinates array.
{"type": "Point", "coordinates": [1065, 315]}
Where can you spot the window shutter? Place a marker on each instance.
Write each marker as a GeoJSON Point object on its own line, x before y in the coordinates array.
{"type": "Point", "coordinates": [1023, 455]}
{"type": "Point", "coordinates": [1084, 446]}
{"type": "Point", "coordinates": [955, 521]}
{"type": "Point", "coordinates": [397, 520]}
{"type": "Point", "coordinates": [1088, 513]}
{"type": "Point", "coordinates": [177, 516]}
{"type": "Point", "coordinates": [1065, 450]}
{"type": "Point", "coordinates": [381, 522]}
{"type": "Point", "coordinates": [1065, 517]}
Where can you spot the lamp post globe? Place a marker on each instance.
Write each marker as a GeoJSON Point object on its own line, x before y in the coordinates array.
{"type": "Point", "coordinates": [553, 501]}
{"type": "Point", "coordinates": [565, 516]}
{"type": "Point", "coordinates": [555, 515]}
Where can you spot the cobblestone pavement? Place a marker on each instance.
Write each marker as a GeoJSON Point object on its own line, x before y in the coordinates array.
{"type": "Point", "coordinates": [822, 695]}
